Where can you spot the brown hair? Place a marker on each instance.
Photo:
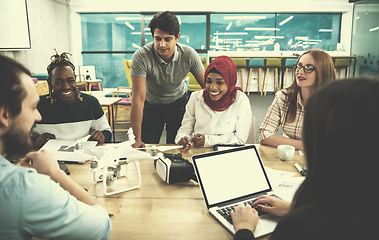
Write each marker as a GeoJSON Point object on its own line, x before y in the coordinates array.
{"type": "Point", "coordinates": [340, 143]}
{"type": "Point", "coordinates": [12, 91]}
{"type": "Point", "coordinates": [325, 74]}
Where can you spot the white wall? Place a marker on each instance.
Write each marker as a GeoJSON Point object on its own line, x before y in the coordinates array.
{"type": "Point", "coordinates": [50, 27]}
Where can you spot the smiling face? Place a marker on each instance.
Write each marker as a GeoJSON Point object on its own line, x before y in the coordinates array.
{"type": "Point", "coordinates": [63, 83]}
{"type": "Point", "coordinates": [165, 44]}
{"type": "Point", "coordinates": [215, 86]}
{"type": "Point", "coordinates": [304, 79]}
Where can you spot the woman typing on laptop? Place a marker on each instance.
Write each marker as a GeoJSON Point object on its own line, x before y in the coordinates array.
{"type": "Point", "coordinates": [340, 158]}
{"type": "Point", "coordinates": [218, 114]}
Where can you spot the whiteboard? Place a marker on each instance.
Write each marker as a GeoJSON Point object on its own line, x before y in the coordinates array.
{"type": "Point", "coordinates": [14, 25]}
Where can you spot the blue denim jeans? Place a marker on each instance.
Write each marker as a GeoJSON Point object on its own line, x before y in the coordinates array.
{"type": "Point", "coordinates": [155, 117]}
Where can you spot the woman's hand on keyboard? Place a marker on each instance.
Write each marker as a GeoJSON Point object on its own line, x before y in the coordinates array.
{"type": "Point", "coordinates": [244, 217]}
{"type": "Point", "coordinates": [273, 205]}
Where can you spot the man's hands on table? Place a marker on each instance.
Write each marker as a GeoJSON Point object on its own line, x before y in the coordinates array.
{"type": "Point", "coordinates": [98, 136]}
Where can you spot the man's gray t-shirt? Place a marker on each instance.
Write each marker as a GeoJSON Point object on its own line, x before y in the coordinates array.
{"type": "Point", "coordinates": [164, 81]}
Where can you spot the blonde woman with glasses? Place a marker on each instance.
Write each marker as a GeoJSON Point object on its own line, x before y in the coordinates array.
{"type": "Point", "coordinates": [313, 69]}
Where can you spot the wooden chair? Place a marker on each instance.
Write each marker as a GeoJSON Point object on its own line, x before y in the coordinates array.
{"type": "Point", "coordinates": [127, 103]}
{"type": "Point", "coordinates": [289, 66]}
{"type": "Point", "coordinates": [96, 82]}
{"type": "Point", "coordinates": [255, 64]}
{"type": "Point", "coordinates": [193, 85]}
{"type": "Point", "coordinates": [81, 82]}
{"type": "Point", "coordinates": [272, 64]}
{"type": "Point", "coordinates": [240, 65]}
{"type": "Point", "coordinates": [341, 64]}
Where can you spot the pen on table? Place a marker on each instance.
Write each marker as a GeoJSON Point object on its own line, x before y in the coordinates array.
{"type": "Point", "coordinates": [301, 171]}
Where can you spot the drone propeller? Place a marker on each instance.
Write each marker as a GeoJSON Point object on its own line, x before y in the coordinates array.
{"type": "Point", "coordinates": [162, 148]}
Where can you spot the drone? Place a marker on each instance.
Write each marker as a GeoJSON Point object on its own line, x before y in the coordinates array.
{"type": "Point", "coordinates": [111, 161]}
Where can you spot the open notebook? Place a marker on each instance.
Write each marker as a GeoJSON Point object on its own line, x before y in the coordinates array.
{"type": "Point", "coordinates": [64, 150]}
{"type": "Point", "coordinates": [230, 177]}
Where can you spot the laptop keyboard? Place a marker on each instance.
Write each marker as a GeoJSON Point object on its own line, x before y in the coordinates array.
{"type": "Point", "coordinates": [225, 211]}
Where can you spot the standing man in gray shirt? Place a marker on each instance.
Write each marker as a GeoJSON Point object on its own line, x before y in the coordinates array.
{"type": "Point", "coordinates": [159, 91]}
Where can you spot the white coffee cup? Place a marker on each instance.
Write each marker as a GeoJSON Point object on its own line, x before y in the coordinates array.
{"type": "Point", "coordinates": [286, 152]}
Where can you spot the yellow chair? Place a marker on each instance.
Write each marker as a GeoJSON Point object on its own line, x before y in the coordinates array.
{"type": "Point", "coordinates": [272, 64]}
{"type": "Point", "coordinates": [127, 103]}
{"type": "Point", "coordinates": [193, 85]}
{"type": "Point", "coordinates": [341, 64]}
{"type": "Point", "coordinates": [81, 82]}
{"type": "Point", "coordinates": [240, 65]}
{"type": "Point", "coordinates": [128, 66]}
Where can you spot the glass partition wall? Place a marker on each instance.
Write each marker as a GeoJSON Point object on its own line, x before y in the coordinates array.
{"type": "Point", "coordinates": [110, 38]}
{"type": "Point", "coordinates": [236, 32]}
{"type": "Point", "coordinates": [365, 38]}
{"type": "Point", "coordinates": [193, 30]}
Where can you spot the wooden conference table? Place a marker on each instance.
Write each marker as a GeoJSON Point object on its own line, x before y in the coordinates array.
{"type": "Point", "coordinates": [157, 210]}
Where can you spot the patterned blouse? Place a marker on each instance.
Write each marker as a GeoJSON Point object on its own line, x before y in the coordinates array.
{"type": "Point", "coordinates": [276, 116]}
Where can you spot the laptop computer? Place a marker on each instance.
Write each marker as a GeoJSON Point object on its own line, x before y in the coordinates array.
{"type": "Point", "coordinates": [220, 147]}
{"type": "Point", "coordinates": [230, 177]}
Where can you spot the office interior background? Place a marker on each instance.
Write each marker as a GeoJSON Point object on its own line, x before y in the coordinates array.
{"type": "Point", "coordinates": [104, 33]}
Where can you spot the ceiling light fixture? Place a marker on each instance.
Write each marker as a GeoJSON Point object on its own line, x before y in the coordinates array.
{"type": "Point", "coordinates": [231, 33]}
{"type": "Point", "coordinates": [228, 27]}
{"type": "Point", "coordinates": [127, 18]}
{"type": "Point", "coordinates": [135, 45]}
{"type": "Point", "coordinates": [139, 33]}
{"type": "Point", "coordinates": [301, 38]}
{"type": "Point", "coordinates": [268, 37]}
{"type": "Point", "coordinates": [285, 21]}
{"type": "Point", "coordinates": [261, 29]}
{"type": "Point", "coordinates": [129, 25]}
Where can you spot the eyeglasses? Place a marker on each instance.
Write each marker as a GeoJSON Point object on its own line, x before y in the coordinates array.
{"type": "Point", "coordinates": [307, 68]}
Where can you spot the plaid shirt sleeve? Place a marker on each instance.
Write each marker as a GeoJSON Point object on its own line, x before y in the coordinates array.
{"type": "Point", "coordinates": [275, 118]}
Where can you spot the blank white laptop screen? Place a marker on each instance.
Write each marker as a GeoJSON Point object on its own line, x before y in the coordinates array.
{"type": "Point", "coordinates": [231, 175]}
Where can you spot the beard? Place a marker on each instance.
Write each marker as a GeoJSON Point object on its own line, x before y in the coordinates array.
{"type": "Point", "coordinates": [17, 143]}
